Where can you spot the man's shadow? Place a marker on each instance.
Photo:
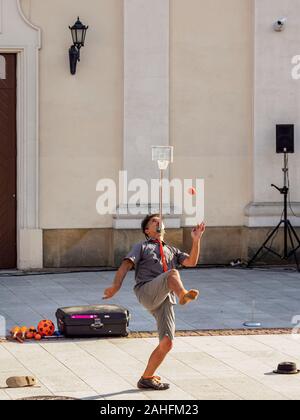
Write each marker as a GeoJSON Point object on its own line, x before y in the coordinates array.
{"type": "Point", "coordinates": [128, 391]}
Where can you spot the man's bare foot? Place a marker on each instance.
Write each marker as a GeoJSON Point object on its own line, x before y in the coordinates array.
{"type": "Point", "coordinates": [189, 296]}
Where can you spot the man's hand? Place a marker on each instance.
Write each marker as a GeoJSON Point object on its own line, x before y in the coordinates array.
{"type": "Point", "coordinates": [118, 280]}
{"type": "Point", "coordinates": [110, 292]}
{"type": "Point", "coordinates": [198, 231]}
{"type": "Point", "coordinates": [196, 234]}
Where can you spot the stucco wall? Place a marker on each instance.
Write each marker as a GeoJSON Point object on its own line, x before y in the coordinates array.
{"type": "Point", "coordinates": [211, 113]}
{"type": "Point", "coordinates": [81, 116]}
{"type": "Point", "coordinates": [277, 96]}
{"type": "Point", "coordinates": [230, 83]}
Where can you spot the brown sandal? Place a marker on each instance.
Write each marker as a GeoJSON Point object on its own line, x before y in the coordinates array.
{"type": "Point", "coordinates": [152, 383]}
{"type": "Point", "coordinates": [189, 296]}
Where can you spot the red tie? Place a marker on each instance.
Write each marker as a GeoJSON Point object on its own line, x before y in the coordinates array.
{"type": "Point", "coordinates": [162, 255]}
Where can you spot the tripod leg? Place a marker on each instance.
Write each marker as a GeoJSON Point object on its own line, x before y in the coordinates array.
{"type": "Point", "coordinates": [293, 251]}
{"type": "Point", "coordinates": [295, 233]}
{"type": "Point", "coordinates": [266, 241]}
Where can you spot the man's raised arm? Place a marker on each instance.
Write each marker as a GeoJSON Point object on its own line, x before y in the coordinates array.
{"type": "Point", "coordinates": [196, 235]}
{"type": "Point", "coordinates": [118, 280]}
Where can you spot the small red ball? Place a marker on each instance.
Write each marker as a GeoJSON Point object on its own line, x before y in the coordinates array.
{"type": "Point", "coordinates": [192, 191]}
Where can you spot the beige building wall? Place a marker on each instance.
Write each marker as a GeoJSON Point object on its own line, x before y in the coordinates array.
{"type": "Point", "coordinates": [211, 96]}
{"type": "Point", "coordinates": [81, 116]}
{"type": "Point", "coordinates": [211, 117]}
{"type": "Point", "coordinates": [277, 101]}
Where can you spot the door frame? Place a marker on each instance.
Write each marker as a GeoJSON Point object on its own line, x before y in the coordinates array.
{"type": "Point", "coordinates": [25, 42]}
{"type": "Point", "coordinates": [11, 85]}
{"type": "Point", "coordinates": [27, 175]}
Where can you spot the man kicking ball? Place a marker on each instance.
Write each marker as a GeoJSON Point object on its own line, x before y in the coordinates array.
{"type": "Point", "coordinates": [157, 284]}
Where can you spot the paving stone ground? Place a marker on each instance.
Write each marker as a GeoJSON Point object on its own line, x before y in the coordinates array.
{"type": "Point", "coordinates": [227, 298]}
{"type": "Point", "coordinates": [215, 367]}
{"type": "Point", "coordinates": [198, 368]}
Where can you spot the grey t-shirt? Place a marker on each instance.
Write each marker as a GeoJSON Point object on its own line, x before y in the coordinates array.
{"type": "Point", "coordinates": [147, 260]}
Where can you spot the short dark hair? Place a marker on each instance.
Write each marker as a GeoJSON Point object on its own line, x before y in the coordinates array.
{"type": "Point", "coordinates": [146, 220]}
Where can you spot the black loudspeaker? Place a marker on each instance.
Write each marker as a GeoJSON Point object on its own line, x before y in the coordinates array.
{"type": "Point", "coordinates": [285, 138]}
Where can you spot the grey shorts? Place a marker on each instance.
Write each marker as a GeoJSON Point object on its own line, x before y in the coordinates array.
{"type": "Point", "coordinates": [157, 298]}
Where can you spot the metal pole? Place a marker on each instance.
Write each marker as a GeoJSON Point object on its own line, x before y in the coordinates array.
{"type": "Point", "coordinates": [160, 200]}
{"type": "Point", "coordinates": [285, 170]}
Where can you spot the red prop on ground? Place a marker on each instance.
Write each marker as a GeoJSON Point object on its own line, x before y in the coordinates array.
{"type": "Point", "coordinates": [46, 328]}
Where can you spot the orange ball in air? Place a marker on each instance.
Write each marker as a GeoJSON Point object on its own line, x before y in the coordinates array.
{"type": "Point", "coordinates": [192, 191]}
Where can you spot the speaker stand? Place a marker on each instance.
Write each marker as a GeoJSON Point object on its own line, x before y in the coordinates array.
{"type": "Point", "coordinates": [289, 231]}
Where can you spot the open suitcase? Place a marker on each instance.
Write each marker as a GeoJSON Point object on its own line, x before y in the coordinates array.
{"type": "Point", "coordinates": [93, 321]}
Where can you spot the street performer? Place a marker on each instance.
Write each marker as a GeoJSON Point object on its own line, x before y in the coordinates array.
{"type": "Point", "coordinates": [158, 283]}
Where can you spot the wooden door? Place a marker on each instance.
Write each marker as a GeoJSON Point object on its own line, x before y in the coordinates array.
{"type": "Point", "coordinates": [8, 148]}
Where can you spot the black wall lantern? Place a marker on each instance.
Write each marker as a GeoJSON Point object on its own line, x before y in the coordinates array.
{"type": "Point", "coordinates": [78, 31]}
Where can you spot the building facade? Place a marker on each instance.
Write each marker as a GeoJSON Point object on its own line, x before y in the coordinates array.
{"type": "Point", "coordinates": [211, 78]}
